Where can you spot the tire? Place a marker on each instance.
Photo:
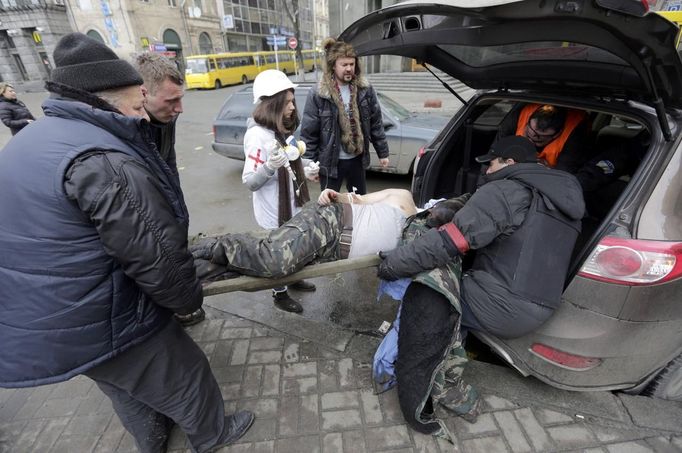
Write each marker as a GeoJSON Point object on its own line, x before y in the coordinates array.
{"type": "Point", "coordinates": [667, 384]}
{"type": "Point", "coordinates": [245, 80]}
{"type": "Point", "coordinates": [218, 85]}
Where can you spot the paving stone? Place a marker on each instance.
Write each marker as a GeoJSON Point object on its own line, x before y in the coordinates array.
{"type": "Point", "coordinates": [391, 406]}
{"type": "Point", "coordinates": [111, 439]}
{"type": "Point", "coordinates": [228, 373]}
{"type": "Point", "coordinates": [262, 429]}
{"type": "Point", "coordinates": [60, 407]}
{"type": "Point", "coordinates": [484, 445]}
{"type": "Point", "coordinates": [28, 410]}
{"type": "Point", "coordinates": [337, 400]}
{"type": "Point", "coordinates": [340, 420]}
{"type": "Point", "coordinates": [537, 435]}
{"type": "Point", "coordinates": [71, 444]}
{"type": "Point", "coordinates": [512, 431]}
{"type": "Point", "coordinates": [662, 444]}
{"type": "Point", "coordinates": [310, 414]}
{"type": "Point", "coordinates": [329, 380]}
{"type": "Point", "coordinates": [72, 389]}
{"type": "Point", "coordinates": [260, 331]}
{"type": "Point", "coordinates": [265, 343]}
{"type": "Point", "coordinates": [26, 437]}
{"type": "Point", "coordinates": [264, 447]}
{"type": "Point", "coordinates": [220, 357]}
{"type": "Point", "coordinates": [252, 379]}
{"type": "Point", "coordinates": [427, 444]}
{"type": "Point", "coordinates": [212, 330]}
{"type": "Point", "coordinates": [231, 333]}
{"type": "Point", "coordinates": [629, 447]}
{"type": "Point", "coordinates": [300, 386]}
{"type": "Point", "coordinates": [307, 444]}
{"type": "Point", "coordinates": [300, 369]}
{"type": "Point", "coordinates": [346, 378]}
{"type": "Point", "coordinates": [371, 407]}
{"type": "Point", "coordinates": [237, 448]}
{"type": "Point", "coordinates": [353, 442]}
{"type": "Point", "coordinates": [13, 404]}
{"type": "Point", "coordinates": [309, 351]}
{"type": "Point", "coordinates": [332, 443]}
{"type": "Point", "coordinates": [288, 419]}
{"type": "Point", "coordinates": [571, 436]}
{"type": "Point", "coordinates": [496, 403]}
{"type": "Point", "coordinates": [265, 357]}
{"type": "Point", "coordinates": [230, 390]}
{"type": "Point", "coordinates": [240, 349]}
{"type": "Point", "coordinates": [177, 439]}
{"type": "Point", "coordinates": [91, 404]}
{"type": "Point", "coordinates": [50, 433]}
{"type": "Point", "coordinates": [271, 374]}
{"type": "Point", "coordinates": [387, 437]}
{"type": "Point", "coordinates": [208, 349]}
{"type": "Point", "coordinates": [87, 425]}
{"type": "Point", "coordinates": [263, 408]}
{"type": "Point", "coordinates": [549, 417]}
{"type": "Point", "coordinates": [607, 434]}
{"type": "Point", "coordinates": [485, 423]}
{"type": "Point", "coordinates": [291, 353]}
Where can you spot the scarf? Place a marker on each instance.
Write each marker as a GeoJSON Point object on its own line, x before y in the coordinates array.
{"type": "Point", "coordinates": [284, 189]}
{"type": "Point", "coordinates": [349, 120]}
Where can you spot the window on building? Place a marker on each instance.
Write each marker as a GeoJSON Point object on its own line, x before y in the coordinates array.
{"type": "Point", "coordinates": [205, 43]}
{"type": "Point", "coordinates": [6, 40]}
{"type": "Point", "coordinates": [198, 4]}
{"type": "Point", "coordinates": [253, 3]}
{"type": "Point", "coordinates": [94, 34]}
{"type": "Point", "coordinates": [20, 66]}
{"type": "Point", "coordinates": [172, 3]}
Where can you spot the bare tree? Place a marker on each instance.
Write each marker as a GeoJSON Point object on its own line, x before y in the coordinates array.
{"type": "Point", "coordinates": [291, 8]}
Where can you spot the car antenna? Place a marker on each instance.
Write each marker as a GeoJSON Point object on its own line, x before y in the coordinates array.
{"type": "Point", "coordinates": [447, 87]}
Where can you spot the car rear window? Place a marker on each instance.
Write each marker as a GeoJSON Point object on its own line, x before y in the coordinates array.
{"type": "Point", "coordinates": [238, 107]}
{"type": "Point", "coordinates": [478, 56]}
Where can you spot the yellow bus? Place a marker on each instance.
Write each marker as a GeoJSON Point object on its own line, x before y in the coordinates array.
{"type": "Point", "coordinates": [285, 59]}
{"type": "Point", "coordinates": [216, 70]}
{"type": "Point", "coordinates": [676, 18]}
{"type": "Point", "coordinates": [311, 59]}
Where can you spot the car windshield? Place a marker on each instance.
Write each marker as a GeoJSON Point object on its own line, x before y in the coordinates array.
{"type": "Point", "coordinates": [478, 56]}
{"type": "Point", "coordinates": [196, 66]}
{"type": "Point", "coordinates": [396, 110]}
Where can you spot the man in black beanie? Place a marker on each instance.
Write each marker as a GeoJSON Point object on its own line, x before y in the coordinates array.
{"type": "Point", "coordinates": [95, 260]}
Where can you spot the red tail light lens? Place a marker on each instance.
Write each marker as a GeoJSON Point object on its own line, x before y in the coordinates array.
{"type": "Point", "coordinates": [634, 262]}
{"type": "Point", "coordinates": [213, 131]}
{"type": "Point", "coordinates": [564, 359]}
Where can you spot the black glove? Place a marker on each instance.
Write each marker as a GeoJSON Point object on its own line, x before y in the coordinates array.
{"type": "Point", "coordinates": [431, 250]}
{"type": "Point", "coordinates": [444, 211]}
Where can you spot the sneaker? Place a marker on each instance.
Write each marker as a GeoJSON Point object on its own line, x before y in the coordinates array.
{"type": "Point", "coordinates": [284, 302]}
{"type": "Point", "coordinates": [303, 285]}
{"type": "Point", "coordinates": [192, 318]}
{"type": "Point", "coordinates": [236, 425]}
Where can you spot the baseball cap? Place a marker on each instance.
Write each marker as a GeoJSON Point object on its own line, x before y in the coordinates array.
{"type": "Point", "coordinates": [513, 147]}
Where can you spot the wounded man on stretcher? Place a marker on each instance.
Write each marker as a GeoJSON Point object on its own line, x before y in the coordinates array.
{"type": "Point", "coordinates": [338, 226]}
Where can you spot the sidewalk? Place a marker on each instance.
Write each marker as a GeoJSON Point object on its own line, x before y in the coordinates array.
{"type": "Point", "coordinates": [309, 397]}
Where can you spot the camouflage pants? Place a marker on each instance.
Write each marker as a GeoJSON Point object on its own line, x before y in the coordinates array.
{"type": "Point", "coordinates": [312, 235]}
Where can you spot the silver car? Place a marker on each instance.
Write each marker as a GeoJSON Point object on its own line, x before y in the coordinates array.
{"type": "Point", "coordinates": [620, 323]}
{"type": "Point", "coordinates": [406, 132]}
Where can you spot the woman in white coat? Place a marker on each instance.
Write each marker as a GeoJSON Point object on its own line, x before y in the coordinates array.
{"type": "Point", "coordinates": [273, 168]}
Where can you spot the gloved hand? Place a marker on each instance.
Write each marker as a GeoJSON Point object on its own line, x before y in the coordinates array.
{"type": "Point", "coordinates": [312, 170]}
{"type": "Point", "coordinates": [276, 159]}
{"type": "Point", "coordinates": [203, 248]}
{"type": "Point", "coordinates": [431, 250]}
{"type": "Point", "coordinates": [444, 211]}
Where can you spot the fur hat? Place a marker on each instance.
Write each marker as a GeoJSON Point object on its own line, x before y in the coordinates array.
{"type": "Point", "coordinates": [333, 50]}
{"type": "Point", "coordinates": [86, 64]}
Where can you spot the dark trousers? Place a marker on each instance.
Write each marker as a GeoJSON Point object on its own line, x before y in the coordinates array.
{"type": "Point", "coordinates": [165, 379]}
{"type": "Point", "coordinates": [352, 171]}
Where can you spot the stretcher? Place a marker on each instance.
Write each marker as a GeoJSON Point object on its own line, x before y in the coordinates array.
{"type": "Point", "coordinates": [247, 283]}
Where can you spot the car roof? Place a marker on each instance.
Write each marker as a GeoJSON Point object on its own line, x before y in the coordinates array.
{"type": "Point", "coordinates": [559, 46]}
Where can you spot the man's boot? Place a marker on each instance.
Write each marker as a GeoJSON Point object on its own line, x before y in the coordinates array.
{"type": "Point", "coordinates": [286, 303]}
{"type": "Point", "coordinates": [303, 285]}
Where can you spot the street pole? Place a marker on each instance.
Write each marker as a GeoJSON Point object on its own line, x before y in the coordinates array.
{"type": "Point", "coordinates": [274, 40]}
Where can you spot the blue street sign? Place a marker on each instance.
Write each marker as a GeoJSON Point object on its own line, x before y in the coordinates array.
{"type": "Point", "coordinates": [281, 40]}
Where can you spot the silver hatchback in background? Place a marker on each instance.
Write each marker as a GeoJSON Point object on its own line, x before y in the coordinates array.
{"type": "Point", "coordinates": [406, 132]}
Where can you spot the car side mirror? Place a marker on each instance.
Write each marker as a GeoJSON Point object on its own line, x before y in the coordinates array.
{"type": "Point", "coordinates": [388, 125]}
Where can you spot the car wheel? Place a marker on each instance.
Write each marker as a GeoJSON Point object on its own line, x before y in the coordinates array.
{"type": "Point", "coordinates": [668, 383]}
{"type": "Point", "coordinates": [218, 85]}
{"type": "Point", "coordinates": [245, 80]}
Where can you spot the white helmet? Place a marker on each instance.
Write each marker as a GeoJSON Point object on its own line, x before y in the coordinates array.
{"type": "Point", "coordinates": [269, 83]}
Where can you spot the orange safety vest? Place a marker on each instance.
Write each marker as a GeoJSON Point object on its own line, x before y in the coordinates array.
{"type": "Point", "coordinates": [550, 153]}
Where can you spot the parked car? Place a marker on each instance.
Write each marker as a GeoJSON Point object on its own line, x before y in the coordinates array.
{"type": "Point", "coordinates": [406, 132]}
{"type": "Point", "coordinates": [620, 323]}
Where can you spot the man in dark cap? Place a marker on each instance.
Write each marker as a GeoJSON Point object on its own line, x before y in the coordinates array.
{"type": "Point", "coordinates": [95, 260]}
{"type": "Point", "coordinates": [522, 223]}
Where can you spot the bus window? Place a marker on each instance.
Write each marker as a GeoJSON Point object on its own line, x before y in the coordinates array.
{"type": "Point", "coordinates": [196, 66]}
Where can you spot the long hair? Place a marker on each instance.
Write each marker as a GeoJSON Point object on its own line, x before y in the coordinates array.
{"type": "Point", "coordinates": [269, 113]}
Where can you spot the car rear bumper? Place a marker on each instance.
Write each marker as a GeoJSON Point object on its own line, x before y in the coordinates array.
{"type": "Point", "coordinates": [230, 151]}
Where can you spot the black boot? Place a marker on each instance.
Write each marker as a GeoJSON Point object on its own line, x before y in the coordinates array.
{"type": "Point", "coordinates": [236, 425]}
{"type": "Point", "coordinates": [303, 285]}
{"type": "Point", "coordinates": [286, 303]}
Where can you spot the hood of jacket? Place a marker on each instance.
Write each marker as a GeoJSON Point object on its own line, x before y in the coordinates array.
{"type": "Point", "coordinates": [559, 187]}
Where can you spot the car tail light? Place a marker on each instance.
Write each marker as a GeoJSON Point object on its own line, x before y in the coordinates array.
{"type": "Point", "coordinates": [213, 131]}
{"type": "Point", "coordinates": [633, 262]}
{"type": "Point", "coordinates": [564, 359]}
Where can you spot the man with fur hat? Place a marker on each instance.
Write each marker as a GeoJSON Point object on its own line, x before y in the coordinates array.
{"type": "Point", "coordinates": [95, 258]}
{"type": "Point", "coordinates": [341, 117]}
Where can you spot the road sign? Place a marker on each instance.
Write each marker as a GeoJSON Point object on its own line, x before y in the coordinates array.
{"type": "Point", "coordinates": [228, 21]}
{"type": "Point", "coordinates": [292, 42]}
{"type": "Point", "coordinates": [281, 40]}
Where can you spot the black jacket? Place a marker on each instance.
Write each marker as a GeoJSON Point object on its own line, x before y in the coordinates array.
{"type": "Point", "coordinates": [14, 114]}
{"type": "Point", "coordinates": [321, 132]}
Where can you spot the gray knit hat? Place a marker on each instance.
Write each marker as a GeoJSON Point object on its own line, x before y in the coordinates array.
{"type": "Point", "coordinates": [89, 65]}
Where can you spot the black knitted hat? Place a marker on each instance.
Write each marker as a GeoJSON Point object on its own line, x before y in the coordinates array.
{"type": "Point", "coordinates": [89, 65]}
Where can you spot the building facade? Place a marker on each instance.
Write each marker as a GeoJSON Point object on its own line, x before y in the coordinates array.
{"type": "Point", "coordinates": [29, 31]}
